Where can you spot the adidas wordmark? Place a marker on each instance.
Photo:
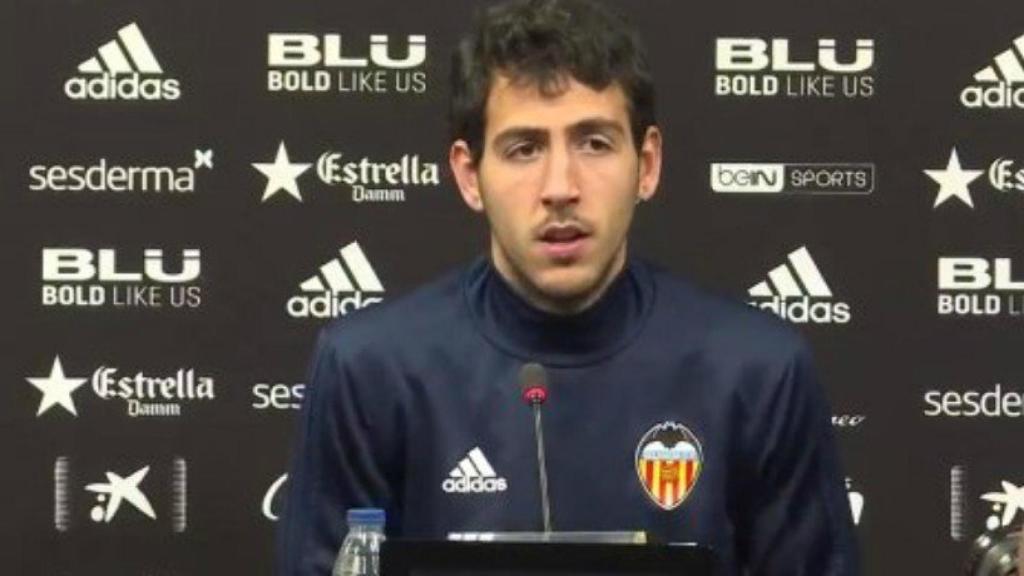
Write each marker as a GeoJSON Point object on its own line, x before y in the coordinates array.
{"type": "Point", "coordinates": [123, 69]}
{"type": "Point", "coordinates": [796, 291]}
{"type": "Point", "coordinates": [474, 474]}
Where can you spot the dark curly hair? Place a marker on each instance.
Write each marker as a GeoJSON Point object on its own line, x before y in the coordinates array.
{"type": "Point", "coordinates": [544, 43]}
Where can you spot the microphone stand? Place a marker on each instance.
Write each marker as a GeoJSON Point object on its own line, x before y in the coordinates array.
{"type": "Point", "coordinates": [542, 469]}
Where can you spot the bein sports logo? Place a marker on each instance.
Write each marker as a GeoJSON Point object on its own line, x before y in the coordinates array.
{"type": "Point", "coordinates": [793, 178]}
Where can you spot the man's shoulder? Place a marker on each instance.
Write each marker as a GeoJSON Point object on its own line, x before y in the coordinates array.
{"type": "Point", "coordinates": [717, 323]}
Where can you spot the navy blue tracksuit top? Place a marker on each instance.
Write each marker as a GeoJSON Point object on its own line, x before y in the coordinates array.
{"type": "Point", "coordinates": [669, 410]}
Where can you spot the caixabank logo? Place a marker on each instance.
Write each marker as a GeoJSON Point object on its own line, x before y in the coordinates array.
{"type": "Point", "coordinates": [979, 286]}
{"type": "Point", "coordinates": [982, 500]}
{"type": "Point", "coordinates": [79, 277]}
{"type": "Point", "coordinates": [1000, 85]}
{"type": "Point", "coordinates": [111, 176]}
{"type": "Point", "coordinates": [797, 291]}
{"type": "Point", "coordinates": [140, 393]}
{"type": "Point", "coordinates": [827, 68]}
{"type": "Point", "coordinates": [367, 180]}
{"type": "Point", "coordinates": [301, 62]}
{"type": "Point", "coordinates": [131, 496]}
{"type": "Point", "coordinates": [123, 68]}
{"type": "Point", "coordinates": [342, 285]}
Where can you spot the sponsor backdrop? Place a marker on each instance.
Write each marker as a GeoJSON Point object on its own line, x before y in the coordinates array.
{"type": "Point", "coordinates": [189, 191]}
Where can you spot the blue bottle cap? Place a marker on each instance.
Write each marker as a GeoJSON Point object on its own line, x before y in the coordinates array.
{"type": "Point", "coordinates": [365, 516]}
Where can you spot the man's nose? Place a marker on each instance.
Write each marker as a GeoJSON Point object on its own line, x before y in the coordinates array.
{"type": "Point", "coordinates": [561, 182]}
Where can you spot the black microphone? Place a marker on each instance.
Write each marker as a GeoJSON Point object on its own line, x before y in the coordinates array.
{"type": "Point", "coordinates": [533, 380]}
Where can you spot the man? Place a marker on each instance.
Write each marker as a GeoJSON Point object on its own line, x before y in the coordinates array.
{"type": "Point", "coordinates": [671, 411]}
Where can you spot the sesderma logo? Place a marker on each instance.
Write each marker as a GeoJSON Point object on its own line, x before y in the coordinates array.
{"type": "Point", "coordinates": [796, 291]}
{"type": "Point", "coordinates": [1001, 84]}
{"type": "Point", "coordinates": [124, 69]}
{"type": "Point", "coordinates": [994, 403]}
{"type": "Point", "coordinates": [104, 176]}
{"type": "Point", "coordinates": [324, 293]}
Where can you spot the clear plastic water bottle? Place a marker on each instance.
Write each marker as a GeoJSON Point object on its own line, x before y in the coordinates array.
{"type": "Point", "coordinates": [360, 551]}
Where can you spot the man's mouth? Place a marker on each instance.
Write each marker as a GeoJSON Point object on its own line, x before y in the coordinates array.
{"type": "Point", "coordinates": [562, 234]}
{"type": "Point", "coordinates": [564, 241]}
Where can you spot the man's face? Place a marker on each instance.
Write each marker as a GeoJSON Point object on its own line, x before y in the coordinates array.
{"type": "Point", "coordinates": [558, 180]}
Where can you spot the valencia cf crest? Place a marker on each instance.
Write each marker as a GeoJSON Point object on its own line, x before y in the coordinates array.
{"type": "Point", "coordinates": [669, 461]}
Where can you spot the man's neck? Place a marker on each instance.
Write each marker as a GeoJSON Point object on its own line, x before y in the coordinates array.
{"type": "Point", "coordinates": [568, 306]}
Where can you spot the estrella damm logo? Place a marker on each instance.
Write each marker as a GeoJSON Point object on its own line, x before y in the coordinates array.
{"type": "Point", "coordinates": [668, 462]}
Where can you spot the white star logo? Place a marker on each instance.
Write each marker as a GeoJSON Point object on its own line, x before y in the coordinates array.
{"type": "Point", "coordinates": [281, 174]}
{"type": "Point", "coordinates": [953, 181]}
{"type": "Point", "coordinates": [56, 388]}
{"type": "Point", "coordinates": [1011, 499]}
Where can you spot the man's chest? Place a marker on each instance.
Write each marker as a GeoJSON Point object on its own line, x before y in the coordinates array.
{"type": "Point", "coordinates": [624, 451]}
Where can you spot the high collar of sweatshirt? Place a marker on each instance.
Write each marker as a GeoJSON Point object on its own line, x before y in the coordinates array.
{"type": "Point", "coordinates": [598, 332]}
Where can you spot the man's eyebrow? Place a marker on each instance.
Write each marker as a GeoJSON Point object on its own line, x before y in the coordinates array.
{"type": "Point", "coordinates": [519, 133]}
{"type": "Point", "coordinates": [585, 126]}
{"type": "Point", "coordinates": [591, 125]}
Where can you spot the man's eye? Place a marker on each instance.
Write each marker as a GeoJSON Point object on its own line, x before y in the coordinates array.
{"type": "Point", "coordinates": [597, 144]}
{"type": "Point", "coordinates": [522, 151]}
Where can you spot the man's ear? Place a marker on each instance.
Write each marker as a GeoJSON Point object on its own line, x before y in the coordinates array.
{"type": "Point", "coordinates": [650, 163]}
{"type": "Point", "coordinates": [460, 159]}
